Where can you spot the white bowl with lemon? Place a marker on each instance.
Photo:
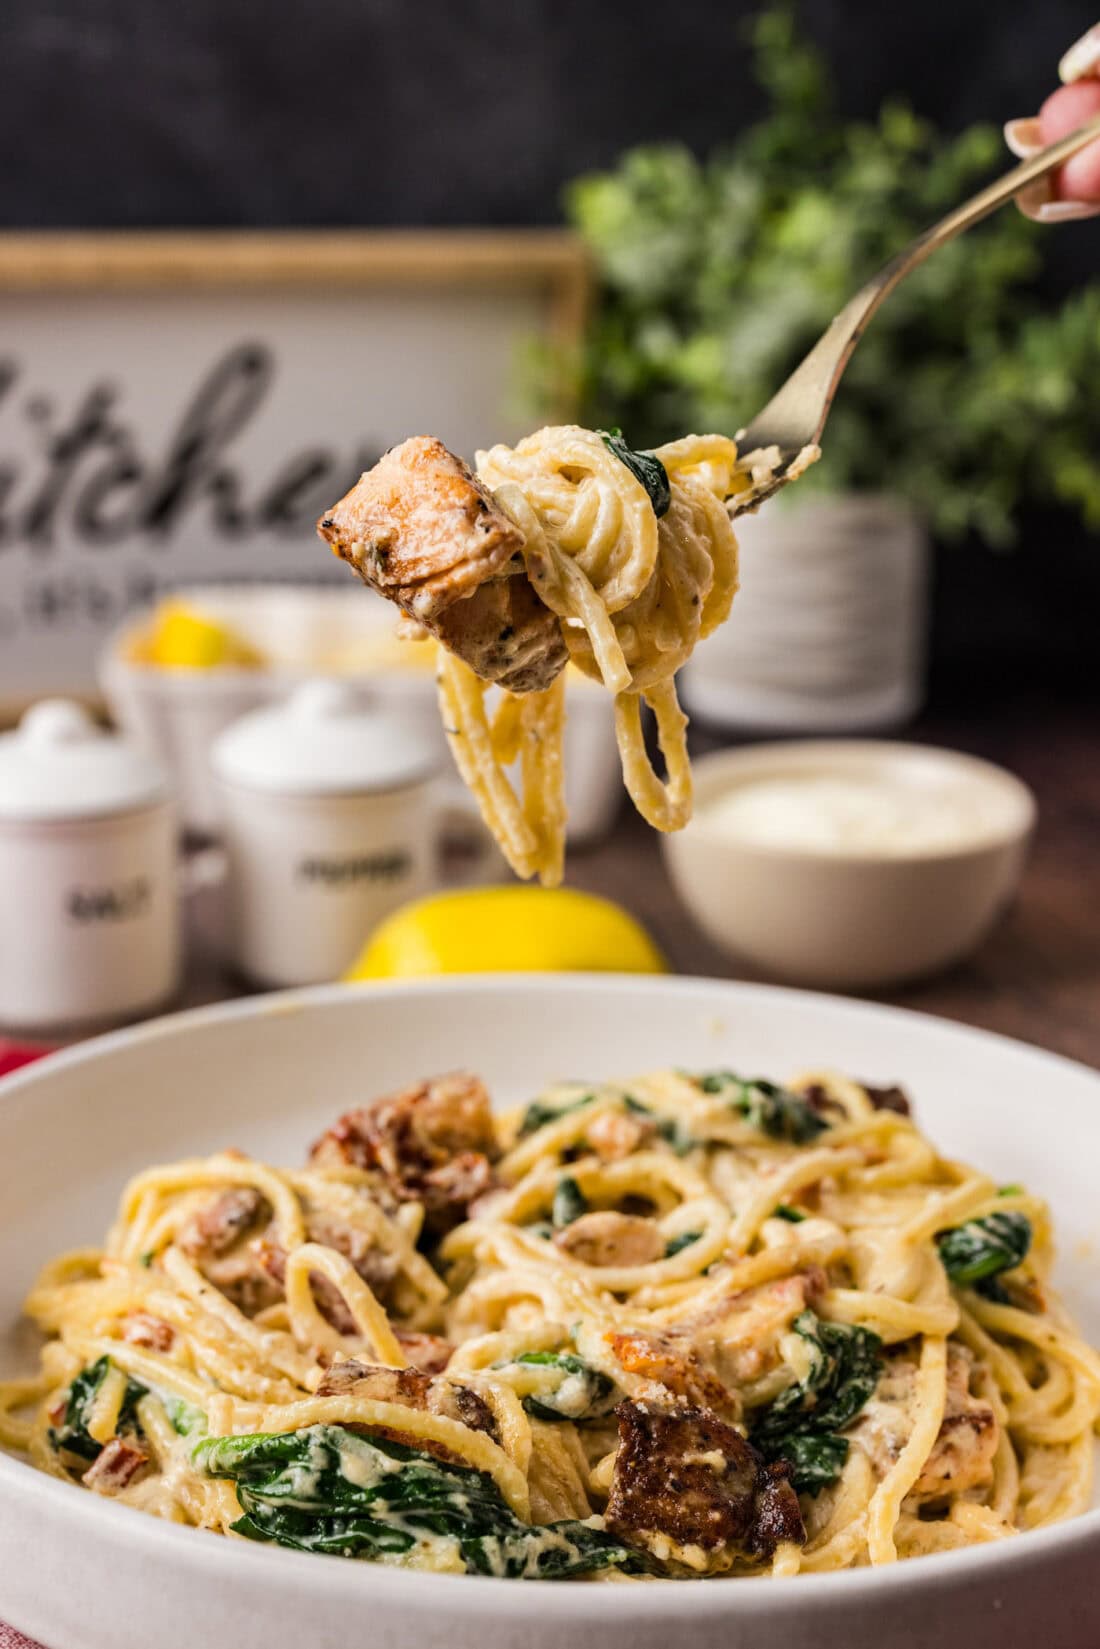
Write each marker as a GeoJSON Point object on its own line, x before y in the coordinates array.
{"type": "Point", "coordinates": [177, 677]}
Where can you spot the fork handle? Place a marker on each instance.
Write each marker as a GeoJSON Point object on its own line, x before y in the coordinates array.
{"type": "Point", "coordinates": [820, 372]}
{"type": "Point", "coordinates": [972, 211]}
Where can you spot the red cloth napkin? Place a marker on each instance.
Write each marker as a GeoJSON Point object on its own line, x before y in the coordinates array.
{"type": "Point", "coordinates": [12, 1056]}
{"type": "Point", "coordinates": [11, 1639]}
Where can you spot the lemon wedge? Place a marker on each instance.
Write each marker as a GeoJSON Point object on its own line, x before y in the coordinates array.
{"type": "Point", "coordinates": [183, 639]}
{"type": "Point", "coordinates": [507, 929]}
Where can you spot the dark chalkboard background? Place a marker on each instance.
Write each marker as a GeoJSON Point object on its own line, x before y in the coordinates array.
{"type": "Point", "coordinates": [117, 113]}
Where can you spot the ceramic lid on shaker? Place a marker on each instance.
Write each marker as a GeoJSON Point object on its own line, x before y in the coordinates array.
{"type": "Point", "coordinates": [323, 740]}
{"type": "Point", "coordinates": [58, 764]}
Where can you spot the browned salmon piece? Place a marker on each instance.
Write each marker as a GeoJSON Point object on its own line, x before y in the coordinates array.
{"type": "Point", "coordinates": [615, 1134]}
{"type": "Point", "coordinates": [606, 1237]}
{"type": "Point", "coordinates": [423, 531]}
{"type": "Point", "coordinates": [434, 1143]}
{"type": "Point", "coordinates": [505, 634]}
{"type": "Point", "coordinates": [115, 1466]}
{"type": "Point", "coordinates": [140, 1328]}
{"type": "Point", "coordinates": [221, 1223]}
{"type": "Point", "coordinates": [221, 1241]}
{"type": "Point", "coordinates": [961, 1457]}
{"type": "Point", "coordinates": [413, 1389]}
{"type": "Point", "coordinates": [738, 1334]}
{"type": "Point", "coordinates": [694, 1492]}
{"type": "Point", "coordinates": [234, 1242]}
{"type": "Point", "coordinates": [377, 1268]}
{"type": "Point", "coordinates": [428, 1352]}
{"type": "Point", "coordinates": [674, 1364]}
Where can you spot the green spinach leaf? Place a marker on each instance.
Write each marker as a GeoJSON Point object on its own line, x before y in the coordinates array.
{"type": "Point", "coordinates": [72, 1436]}
{"type": "Point", "coordinates": [671, 1129]}
{"type": "Point", "coordinates": [775, 1110]}
{"type": "Point", "coordinates": [976, 1253]}
{"type": "Point", "coordinates": [816, 1458]}
{"type": "Point", "coordinates": [185, 1418]}
{"type": "Point", "coordinates": [582, 1393]}
{"type": "Point", "coordinates": [538, 1114]}
{"type": "Point", "coordinates": [645, 467]}
{"type": "Point", "coordinates": [569, 1202]}
{"type": "Point", "coordinates": [326, 1489]}
{"type": "Point", "coordinates": [802, 1424]}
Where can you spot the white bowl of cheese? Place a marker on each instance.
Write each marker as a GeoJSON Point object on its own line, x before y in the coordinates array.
{"type": "Point", "coordinates": [848, 864]}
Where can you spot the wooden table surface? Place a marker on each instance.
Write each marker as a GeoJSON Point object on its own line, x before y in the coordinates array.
{"type": "Point", "coordinates": [1037, 977]}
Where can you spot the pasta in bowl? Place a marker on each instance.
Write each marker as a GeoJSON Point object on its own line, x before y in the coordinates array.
{"type": "Point", "coordinates": [691, 1325]}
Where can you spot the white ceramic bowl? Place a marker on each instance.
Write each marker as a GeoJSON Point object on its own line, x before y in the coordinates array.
{"type": "Point", "coordinates": [309, 632]}
{"type": "Point", "coordinates": [850, 919]}
{"type": "Point", "coordinates": [80, 1573]}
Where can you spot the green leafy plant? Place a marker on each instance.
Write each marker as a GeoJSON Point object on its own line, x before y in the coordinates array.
{"type": "Point", "coordinates": [969, 393]}
{"type": "Point", "coordinates": [803, 1423]}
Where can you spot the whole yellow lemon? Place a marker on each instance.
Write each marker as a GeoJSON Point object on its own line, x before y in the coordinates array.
{"type": "Point", "coordinates": [507, 929]}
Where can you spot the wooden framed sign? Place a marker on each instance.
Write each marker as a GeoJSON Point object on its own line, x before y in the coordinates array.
{"type": "Point", "coordinates": [181, 407]}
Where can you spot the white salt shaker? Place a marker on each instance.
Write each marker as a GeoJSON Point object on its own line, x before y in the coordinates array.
{"type": "Point", "coordinates": [89, 917]}
{"type": "Point", "coordinates": [330, 818]}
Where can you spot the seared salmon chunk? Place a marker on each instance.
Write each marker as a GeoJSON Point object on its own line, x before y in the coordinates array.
{"type": "Point", "coordinates": [423, 531]}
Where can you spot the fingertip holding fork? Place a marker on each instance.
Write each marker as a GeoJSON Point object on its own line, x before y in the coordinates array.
{"type": "Point", "coordinates": [1074, 191]}
{"type": "Point", "coordinates": [783, 439]}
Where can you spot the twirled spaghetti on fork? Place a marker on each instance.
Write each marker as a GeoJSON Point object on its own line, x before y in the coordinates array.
{"type": "Point", "coordinates": [566, 547]}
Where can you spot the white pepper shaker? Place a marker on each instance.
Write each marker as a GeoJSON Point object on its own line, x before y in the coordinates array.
{"type": "Point", "coordinates": [330, 816]}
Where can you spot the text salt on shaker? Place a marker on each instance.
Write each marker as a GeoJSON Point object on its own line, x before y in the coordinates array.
{"type": "Point", "coordinates": [90, 930]}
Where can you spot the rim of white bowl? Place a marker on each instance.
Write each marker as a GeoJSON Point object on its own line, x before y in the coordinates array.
{"type": "Point", "coordinates": [351, 1582]}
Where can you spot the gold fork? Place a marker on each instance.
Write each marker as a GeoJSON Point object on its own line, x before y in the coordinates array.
{"type": "Point", "coordinates": [783, 440]}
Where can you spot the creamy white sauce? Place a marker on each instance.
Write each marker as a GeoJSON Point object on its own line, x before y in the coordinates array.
{"type": "Point", "coordinates": [878, 812]}
{"type": "Point", "coordinates": [714, 1458]}
{"type": "Point", "coordinates": [365, 1467]}
{"type": "Point", "coordinates": [572, 1396]}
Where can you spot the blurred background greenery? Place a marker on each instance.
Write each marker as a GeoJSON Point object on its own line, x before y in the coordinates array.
{"type": "Point", "coordinates": [972, 394]}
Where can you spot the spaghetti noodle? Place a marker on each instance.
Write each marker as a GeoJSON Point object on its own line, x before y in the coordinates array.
{"type": "Point", "coordinates": [490, 1344]}
{"type": "Point", "coordinates": [628, 558]}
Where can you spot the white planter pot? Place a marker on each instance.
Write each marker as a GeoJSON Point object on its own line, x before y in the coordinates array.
{"type": "Point", "coordinates": [827, 633]}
